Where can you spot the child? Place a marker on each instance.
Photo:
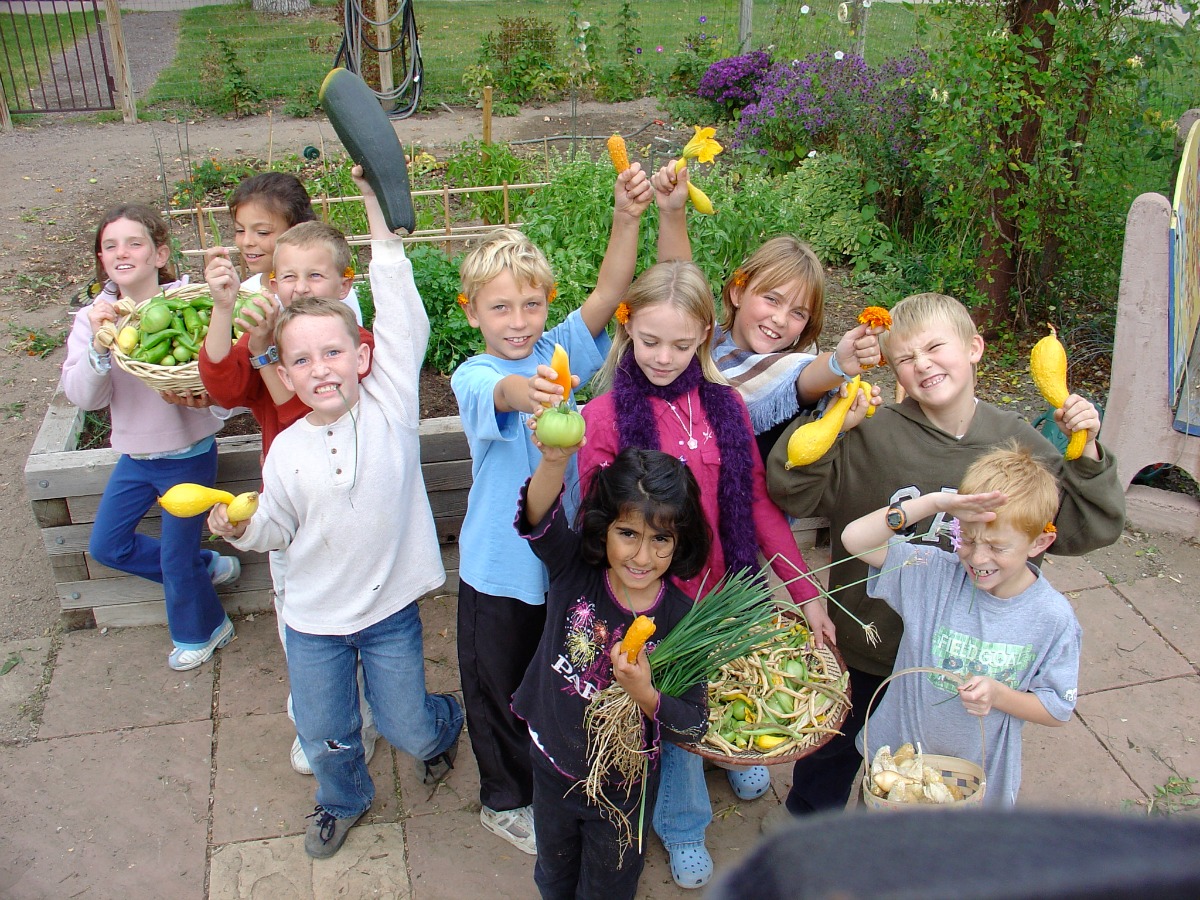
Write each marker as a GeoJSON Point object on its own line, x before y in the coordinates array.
{"type": "Point", "coordinates": [507, 289]}
{"type": "Point", "coordinates": [310, 259]}
{"type": "Point", "coordinates": [919, 446]}
{"type": "Point", "coordinates": [334, 483]}
{"type": "Point", "coordinates": [263, 207]}
{"type": "Point", "coordinates": [667, 395]}
{"type": "Point", "coordinates": [161, 440]}
{"type": "Point", "coordinates": [639, 523]}
{"type": "Point", "coordinates": [989, 616]}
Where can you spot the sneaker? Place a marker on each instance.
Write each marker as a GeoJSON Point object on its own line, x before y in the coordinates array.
{"type": "Point", "coordinates": [514, 825]}
{"type": "Point", "coordinates": [224, 569]}
{"type": "Point", "coordinates": [326, 833]}
{"type": "Point", "coordinates": [437, 767]}
{"type": "Point", "coordinates": [181, 660]}
{"type": "Point", "coordinates": [749, 783]}
{"type": "Point", "coordinates": [299, 760]}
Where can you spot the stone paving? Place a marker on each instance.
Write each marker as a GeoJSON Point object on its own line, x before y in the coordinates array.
{"type": "Point", "coordinates": [124, 779]}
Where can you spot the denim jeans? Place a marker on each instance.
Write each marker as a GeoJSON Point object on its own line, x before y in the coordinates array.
{"type": "Point", "coordinates": [175, 560]}
{"type": "Point", "coordinates": [322, 669]}
{"type": "Point", "coordinates": [683, 810]}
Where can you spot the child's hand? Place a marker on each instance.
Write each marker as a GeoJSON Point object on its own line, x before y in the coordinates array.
{"type": "Point", "coordinates": [360, 182]}
{"type": "Point", "coordinates": [549, 454]}
{"type": "Point", "coordinates": [376, 221]}
{"type": "Point", "coordinates": [99, 312]}
{"type": "Point", "coordinates": [858, 350]}
{"type": "Point", "coordinates": [219, 524]}
{"type": "Point", "coordinates": [670, 188]}
{"type": "Point", "coordinates": [544, 389]}
{"type": "Point", "coordinates": [1078, 414]}
{"type": "Point", "coordinates": [819, 623]}
{"type": "Point", "coordinates": [858, 409]}
{"type": "Point", "coordinates": [221, 277]}
{"type": "Point", "coordinates": [633, 192]}
{"type": "Point", "coordinates": [192, 401]}
{"type": "Point", "coordinates": [634, 678]}
{"type": "Point", "coordinates": [971, 508]}
{"type": "Point", "coordinates": [258, 319]}
{"type": "Point", "coordinates": [978, 695]}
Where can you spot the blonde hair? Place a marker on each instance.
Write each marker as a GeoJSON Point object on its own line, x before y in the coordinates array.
{"type": "Point", "coordinates": [317, 306]}
{"type": "Point", "coordinates": [681, 284]}
{"type": "Point", "coordinates": [920, 311]}
{"type": "Point", "coordinates": [779, 261]}
{"type": "Point", "coordinates": [506, 250]}
{"type": "Point", "coordinates": [307, 235]}
{"type": "Point", "coordinates": [1030, 486]}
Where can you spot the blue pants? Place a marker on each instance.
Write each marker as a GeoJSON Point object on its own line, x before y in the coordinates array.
{"type": "Point", "coordinates": [175, 560]}
{"type": "Point", "coordinates": [323, 672]}
{"type": "Point", "coordinates": [683, 810]}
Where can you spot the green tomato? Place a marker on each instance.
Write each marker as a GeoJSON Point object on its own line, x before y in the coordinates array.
{"type": "Point", "coordinates": [738, 710]}
{"type": "Point", "coordinates": [155, 317]}
{"type": "Point", "coordinates": [560, 427]}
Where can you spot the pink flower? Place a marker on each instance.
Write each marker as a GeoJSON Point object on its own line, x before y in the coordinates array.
{"type": "Point", "coordinates": [658, 48]}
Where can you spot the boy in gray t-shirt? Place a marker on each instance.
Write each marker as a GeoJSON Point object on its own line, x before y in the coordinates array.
{"type": "Point", "coordinates": [985, 613]}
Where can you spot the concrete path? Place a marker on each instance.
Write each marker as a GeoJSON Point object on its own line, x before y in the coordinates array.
{"type": "Point", "coordinates": [124, 778]}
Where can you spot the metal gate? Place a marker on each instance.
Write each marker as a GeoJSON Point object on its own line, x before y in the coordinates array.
{"type": "Point", "coordinates": [55, 58]}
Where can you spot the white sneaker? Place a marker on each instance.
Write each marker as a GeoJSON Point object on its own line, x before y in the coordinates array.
{"type": "Point", "coordinates": [299, 760]}
{"type": "Point", "coordinates": [182, 660]}
{"type": "Point", "coordinates": [514, 825]}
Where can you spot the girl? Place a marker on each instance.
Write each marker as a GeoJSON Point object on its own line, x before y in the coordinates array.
{"type": "Point", "coordinates": [161, 443]}
{"type": "Point", "coordinates": [640, 522]}
{"type": "Point", "coordinates": [667, 394]}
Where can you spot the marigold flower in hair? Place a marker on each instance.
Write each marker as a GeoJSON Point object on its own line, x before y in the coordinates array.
{"type": "Point", "coordinates": [1049, 529]}
{"type": "Point", "coordinates": [348, 272]}
{"type": "Point", "coordinates": [551, 294]}
{"type": "Point", "coordinates": [739, 278]}
{"type": "Point", "coordinates": [462, 300]}
{"type": "Point", "coordinates": [622, 313]}
{"type": "Point", "coordinates": [876, 317]}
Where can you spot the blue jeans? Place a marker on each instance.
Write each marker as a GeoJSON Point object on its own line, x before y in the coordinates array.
{"type": "Point", "coordinates": [175, 560]}
{"type": "Point", "coordinates": [323, 672]}
{"type": "Point", "coordinates": [683, 810]}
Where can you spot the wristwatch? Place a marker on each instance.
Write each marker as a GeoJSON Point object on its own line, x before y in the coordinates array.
{"type": "Point", "coordinates": [895, 517]}
{"type": "Point", "coordinates": [271, 356]}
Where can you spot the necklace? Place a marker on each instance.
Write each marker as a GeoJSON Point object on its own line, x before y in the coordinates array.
{"type": "Point", "coordinates": [692, 443]}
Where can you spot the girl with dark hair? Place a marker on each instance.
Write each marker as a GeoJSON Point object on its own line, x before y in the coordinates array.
{"type": "Point", "coordinates": [639, 523]}
{"type": "Point", "coordinates": [162, 440]}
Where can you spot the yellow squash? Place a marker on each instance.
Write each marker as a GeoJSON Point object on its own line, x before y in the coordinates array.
{"type": "Point", "coordinates": [637, 635]}
{"type": "Point", "coordinates": [1048, 366]}
{"type": "Point", "coordinates": [242, 507]}
{"type": "Point", "coordinates": [186, 500]}
{"type": "Point", "coordinates": [810, 442]}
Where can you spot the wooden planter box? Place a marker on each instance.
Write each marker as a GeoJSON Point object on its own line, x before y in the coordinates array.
{"type": "Point", "coordinates": [64, 487]}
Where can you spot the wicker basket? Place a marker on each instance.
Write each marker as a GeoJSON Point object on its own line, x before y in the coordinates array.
{"type": "Point", "coordinates": [180, 379]}
{"type": "Point", "coordinates": [790, 751]}
{"type": "Point", "coordinates": [966, 775]}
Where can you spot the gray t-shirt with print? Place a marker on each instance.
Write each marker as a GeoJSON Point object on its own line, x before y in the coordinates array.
{"type": "Point", "coordinates": [1030, 642]}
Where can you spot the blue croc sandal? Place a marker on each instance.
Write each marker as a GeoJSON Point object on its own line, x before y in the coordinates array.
{"type": "Point", "coordinates": [691, 866]}
{"type": "Point", "coordinates": [750, 783]}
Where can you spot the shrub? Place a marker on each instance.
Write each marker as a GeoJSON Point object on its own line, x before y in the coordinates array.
{"type": "Point", "coordinates": [521, 60]}
{"type": "Point", "coordinates": [733, 82]}
{"type": "Point", "coordinates": [451, 337]}
{"type": "Point", "coordinates": [479, 165]}
{"type": "Point", "coordinates": [697, 52]}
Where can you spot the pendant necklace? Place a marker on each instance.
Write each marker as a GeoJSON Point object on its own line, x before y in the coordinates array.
{"type": "Point", "coordinates": [692, 443]}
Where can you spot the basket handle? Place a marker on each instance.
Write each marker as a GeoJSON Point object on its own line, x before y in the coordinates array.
{"type": "Point", "coordinates": [931, 670]}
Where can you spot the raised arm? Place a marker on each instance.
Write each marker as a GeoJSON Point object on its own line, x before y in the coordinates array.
{"type": "Point", "coordinates": [670, 195]}
{"type": "Point", "coordinates": [546, 482]}
{"type": "Point", "coordinates": [867, 536]}
{"type": "Point", "coordinates": [632, 195]}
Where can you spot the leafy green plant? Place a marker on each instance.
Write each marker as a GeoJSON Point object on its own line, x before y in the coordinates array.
{"type": "Point", "coordinates": [521, 57]}
{"type": "Point", "coordinates": [697, 51]}
{"type": "Point", "coordinates": [32, 341]}
{"type": "Point", "coordinates": [451, 337]}
{"type": "Point", "coordinates": [227, 77]}
{"type": "Point", "coordinates": [480, 165]}
{"type": "Point", "coordinates": [626, 78]}
{"type": "Point", "coordinates": [14, 410]}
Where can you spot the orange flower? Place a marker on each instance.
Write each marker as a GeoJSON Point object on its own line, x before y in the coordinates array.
{"type": "Point", "coordinates": [1049, 529]}
{"type": "Point", "coordinates": [622, 313]}
{"type": "Point", "coordinates": [739, 278]}
{"type": "Point", "coordinates": [551, 294]}
{"type": "Point", "coordinates": [348, 272]}
{"type": "Point", "coordinates": [875, 316]}
{"type": "Point", "coordinates": [463, 300]}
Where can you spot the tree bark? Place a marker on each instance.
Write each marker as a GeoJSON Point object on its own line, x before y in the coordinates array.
{"type": "Point", "coordinates": [281, 7]}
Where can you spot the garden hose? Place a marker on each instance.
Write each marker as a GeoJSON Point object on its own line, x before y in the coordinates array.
{"type": "Point", "coordinates": [406, 96]}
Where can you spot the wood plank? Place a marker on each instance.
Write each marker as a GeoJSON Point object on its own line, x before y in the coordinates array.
{"type": "Point", "coordinates": [100, 592]}
{"type": "Point", "coordinates": [128, 615]}
{"type": "Point", "coordinates": [60, 427]}
{"type": "Point", "coordinates": [451, 475]}
{"type": "Point", "coordinates": [69, 567]}
{"type": "Point", "coordinates": [96, 569]}
{"type": "Point", "coordinates": [83, 508]}
{"type": "Point", "coordinates": [51, 513]}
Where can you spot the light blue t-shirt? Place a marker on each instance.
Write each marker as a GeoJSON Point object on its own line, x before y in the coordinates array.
{"type": "Point", "coordinates": [493, 559]}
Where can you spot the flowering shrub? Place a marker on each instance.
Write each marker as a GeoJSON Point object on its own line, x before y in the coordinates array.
{"type": "Point", "coordinates": [733, 82]}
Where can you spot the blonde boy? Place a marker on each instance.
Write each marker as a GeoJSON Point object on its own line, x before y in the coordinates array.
{"type": "Point", "coordinates": [920, 446]}
{"type": "Point", "coordinates": [984, 612]}
{"type": "Point", "coordinates": [507, 290]}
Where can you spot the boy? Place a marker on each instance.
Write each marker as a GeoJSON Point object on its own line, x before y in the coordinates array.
{"type": "Point", "coordinates": [344, 500]}
{"type": "Point", "coordinates": [919, 446]}
{"type": "Point", "coordinates": [507, 289]}
{"type": "Point", "coordinates": [988, 615]}
{"type": "Point", "coordinates": [312, 259]}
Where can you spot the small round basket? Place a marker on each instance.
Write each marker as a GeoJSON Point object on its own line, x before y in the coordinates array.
{"type": "Point", "coordinates": [967, 776]}
{"type": "Point", "coordinates": [181, 379]}
{"type": "Point", "coordinates": [831, 665]}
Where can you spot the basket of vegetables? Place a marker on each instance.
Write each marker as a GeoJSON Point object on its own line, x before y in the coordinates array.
{"type": "Point", "coordinates": [912, 778]}
{"type": "Point", "coordinates": [776, 704]}
{"type": "Point", "coordinates": [158, 341]}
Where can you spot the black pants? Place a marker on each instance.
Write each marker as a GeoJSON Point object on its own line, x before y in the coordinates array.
{"type": "Point", "coordinates": [578, 855]}
{"type": "Point", "coordinates": [825, 779]}
{"type": "Point", "coordinates": [497, 638]}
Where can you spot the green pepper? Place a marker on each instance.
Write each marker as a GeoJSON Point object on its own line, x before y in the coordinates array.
{"type": "Point", "coordinates": [186, 341]}
{"type": "Point", "coordinates": [177, 322]}
{"type": "Point", "coordinates": [159, 337]}
{"type": "Point", "coordinates": [154, 354]}
{"type": "Point", "coordinates": [202, 303]}
{"type": "Point", "coordinates": [205, 316]}
{"type": "Point", "coordinates": [191, 319]}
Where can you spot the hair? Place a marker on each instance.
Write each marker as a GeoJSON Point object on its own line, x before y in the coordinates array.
{"type": "Point", "coordinates": [661, 488]}
{"type": "Point", "coordinates": [682, 284]}
{"type": "Point", "coordinates": [316, 306]}
{"type": "Point", "coordinates": [919, 311]}
{"type": "Point", "coordinates": [280, 192]}
{"type": "Point", "coordinates": [307, 235]}
{"type": "Point", "coordinates": [779, 261]}
{"type": "Point", "coordinates": [149, 219]}
{"type": "Point", "coordinates": [1030, 486]}
{"type": "Point", "coordinates": [506, 250]}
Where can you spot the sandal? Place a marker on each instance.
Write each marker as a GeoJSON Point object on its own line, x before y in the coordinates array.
{"type": "Point", "coordinates": [749, 783]}
{"type": "Point", "coordinates": [691, 866]}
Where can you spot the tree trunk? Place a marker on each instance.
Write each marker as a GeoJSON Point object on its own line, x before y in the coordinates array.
{"type": "Point", "coordinates": [280, 7]}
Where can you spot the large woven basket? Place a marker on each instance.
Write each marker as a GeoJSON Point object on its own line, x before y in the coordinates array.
{"type": "Point", "coordinates": [790, 751]}
{"type": "Point", "coordinates": [966, 775]}
{"type": "Point", "coordinates": [180, 379]}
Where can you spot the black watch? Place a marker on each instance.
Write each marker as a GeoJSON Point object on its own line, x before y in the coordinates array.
{"type": "Point", "coordinates": [895, 517]}
{"type": "Point", "coordinates": [271, 356]}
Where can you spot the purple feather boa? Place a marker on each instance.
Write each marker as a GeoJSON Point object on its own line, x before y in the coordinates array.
{"type": "Point", "coordinates": [636, 428]}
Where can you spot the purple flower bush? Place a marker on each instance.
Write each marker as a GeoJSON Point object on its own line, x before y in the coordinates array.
{"type": "Point", "coordinates": [733, 82]}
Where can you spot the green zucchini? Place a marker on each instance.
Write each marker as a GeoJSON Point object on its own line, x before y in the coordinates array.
{"type": "Point", "coordinates": [367, 134]}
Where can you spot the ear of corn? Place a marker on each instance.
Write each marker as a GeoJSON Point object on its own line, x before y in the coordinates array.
{"type": "Point", "coordinates": [637, 635]}
{"type": "Point", "coordinates": [186, 500]}
{"type": "Point", "coordinates": [561, 364]}
{"type": "Point", "coordinates": [1048, 366]}
{"type": "Point", "coordinates": [617, 153]}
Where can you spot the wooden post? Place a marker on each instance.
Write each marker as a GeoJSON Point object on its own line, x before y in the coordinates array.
{"type": "Point", "coordinates": [745, 25]}
{"type": "Point", "coordinates": [507, 221]}
{"type": "Point", "coordinates": [383, 38]}
{"type": "Point", "coordinates": [5, 117]}
{"type": "Point", "coordinates": [446, 213]}
{"type": "Point", "coordinates": [487, 114]}
{"type": "Point", "coordinates": [112, 14]}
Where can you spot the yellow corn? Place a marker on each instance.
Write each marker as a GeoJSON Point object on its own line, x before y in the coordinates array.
{"type": "Point", "coordinates": [617, 153]}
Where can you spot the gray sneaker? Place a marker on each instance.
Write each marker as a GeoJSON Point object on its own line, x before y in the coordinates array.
{"type": "Point", "coordinates": [326, 833]}
{"type": "Point", "coordinates": [437, 767]}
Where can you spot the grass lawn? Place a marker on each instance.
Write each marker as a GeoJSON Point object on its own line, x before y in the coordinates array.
{"type": "Point", "coordinates": [28, 42]}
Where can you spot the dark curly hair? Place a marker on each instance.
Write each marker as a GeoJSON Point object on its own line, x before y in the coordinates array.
{"type": "Point", "coordinates": [663, 490]}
